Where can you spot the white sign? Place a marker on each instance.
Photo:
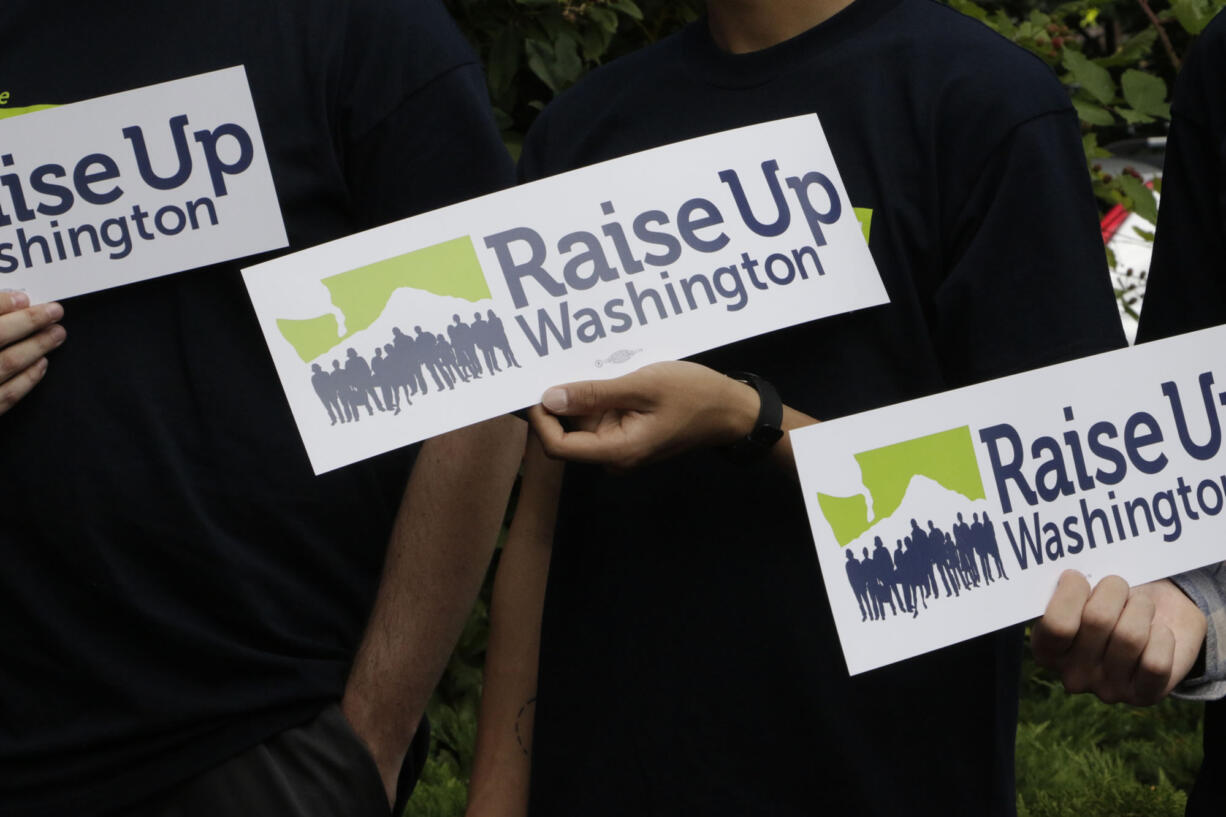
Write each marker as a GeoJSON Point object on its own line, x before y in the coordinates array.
{"type": "Point", "coordinates": [951, 516]}
{"type": "Point", "coordinates": [135, 185]}
{"type": "Point", "coordinates": [451, 317]}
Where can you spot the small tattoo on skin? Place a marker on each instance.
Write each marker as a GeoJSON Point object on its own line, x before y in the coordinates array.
{"type": "Point", "coordinates": [525, 709]}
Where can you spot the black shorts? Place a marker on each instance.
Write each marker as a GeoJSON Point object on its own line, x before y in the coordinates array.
{"type": "Point", "coordinates": [319, 769]}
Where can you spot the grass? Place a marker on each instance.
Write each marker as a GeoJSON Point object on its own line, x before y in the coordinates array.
{"type": "Point", "coordinates": [1079, 757]}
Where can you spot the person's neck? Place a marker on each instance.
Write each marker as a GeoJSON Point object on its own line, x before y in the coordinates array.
{"type": "Point", "coordinates": [742, 26]}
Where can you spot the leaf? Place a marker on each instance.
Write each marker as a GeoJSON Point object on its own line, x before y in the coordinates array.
{"type": "Point", "coordinates": [1108, 192]}
{"type": "Point", "coordinates": [1145, 235]}
{"type": "Point", "coordinates": [557, 65]}
{"type": "Point", "coordinates": [1093, 150]}
{"type": "Point", "coordinates": [1093, 114]}
{"type": "Point", "coordinates": [555, 27]}
{"type": "Point", "coordinates": [1003, 24]}
{"type": "Point", "coordinates": [1145, 93]}
{"type": "Point", "coordinates": [503, 59]}
{"type": "Point", "coordinates": [514, 144]}
{"type": "Point", "coordinates": [540, 62]}
{"type": "Point", "coordinates": [533, 30]}
{"type": "Point", "coordinates": [1132, 50]}
{"type": "Point", "coordinates": [567, 65]}
{"type": "Point", "coordinates": [628, 8]}
{"type": "Point", "coordinates": [1093, 78]}
{"type": "Point", "coordinates": [603, 17]}
{"type": "Point", "coordinates": [1193, 15]}
{"type": "Point", "coordinates": [1141, 198]}
{"type": "Point", "coordinates": [1133, 117]}
{"type": "Point", "coordinates": [596, 42]}
{"type": "Point", "coordinates": [970, 9]}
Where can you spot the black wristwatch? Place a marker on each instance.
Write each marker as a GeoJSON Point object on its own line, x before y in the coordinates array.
{"type": "Point", "coordinates": [769, 426]}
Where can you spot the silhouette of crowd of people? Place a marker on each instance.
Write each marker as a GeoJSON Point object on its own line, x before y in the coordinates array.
{"type": "Point", "coordinates": [398, 370]}
{"type": "Point", "coordinates": [921, 565]}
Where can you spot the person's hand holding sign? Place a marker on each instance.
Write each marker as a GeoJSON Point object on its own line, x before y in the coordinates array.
{"type": "Point", "coordinates": [1126, 645]}
{"type": "Point", "coordinates": [656, 412]}
{"type": "Point", "coordinates": [27, 335]}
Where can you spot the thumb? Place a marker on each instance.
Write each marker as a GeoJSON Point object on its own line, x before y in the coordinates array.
{"type": "Point", "coordinates": [589, 396]}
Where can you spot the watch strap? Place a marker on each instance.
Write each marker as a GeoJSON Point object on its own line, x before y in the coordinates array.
{"type": "Point", "coordinates": [768, 428]}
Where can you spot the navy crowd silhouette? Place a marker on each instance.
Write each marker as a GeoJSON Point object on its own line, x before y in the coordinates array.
{"type": "Point", "coordinates": [921, 565]}
{"type": "Point", "coordinates": [405, 367]}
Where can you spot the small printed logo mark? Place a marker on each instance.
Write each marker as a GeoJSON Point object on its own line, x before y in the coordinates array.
{"type": "Point", "coordinates": [620, 356]}
{"type": "Point", "coordinates": [910, 487]}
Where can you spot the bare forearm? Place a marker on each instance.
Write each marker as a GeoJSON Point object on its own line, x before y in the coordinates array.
{"type": "Point", "coordinates": [440, 547]}
{"type": "Point", "coordinates": [657, 412]}
{"type": "Point", "coordinates": [502, 764]}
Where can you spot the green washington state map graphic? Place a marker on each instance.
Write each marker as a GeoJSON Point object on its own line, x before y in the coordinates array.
{"type": "Point", "coordinates": [449, 269]}
{"type": "Point", "coordinates": [9, 113]}
{"type": "Point", "coordinates": [947, 458]}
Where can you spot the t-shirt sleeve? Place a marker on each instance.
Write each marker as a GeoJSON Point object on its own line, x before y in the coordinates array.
{"type": "Point", "coordinates": [1207, 588]}
{"type": "Point", "coordinates": [1027, 283]}
{"type": "Point", "coordinates": [1186, 286]}
{"type": "Point", "coordinates": [415, 129]}
{"type": "Point", "coordinates": [438, 147]}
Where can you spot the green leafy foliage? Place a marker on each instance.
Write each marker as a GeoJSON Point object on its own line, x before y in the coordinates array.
{"type": "Point", "coordinates": [1194, 15]}
{"type": "Point", "coordinates": [1088, 78]}
{"type": "Point", "coordinates": [1116, 76]}
{"type": "Point", "coordinates": [442, 790]}
{"type": "Point", "coordinates": [534, 50]}
{"type": "Point", "coordinates": [1146, 93]}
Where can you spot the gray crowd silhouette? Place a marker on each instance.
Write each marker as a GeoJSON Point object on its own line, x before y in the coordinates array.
{"type": "Point", "coordinates": [921, 564]}
{"type": "Point", "coordinates": [397, 371]}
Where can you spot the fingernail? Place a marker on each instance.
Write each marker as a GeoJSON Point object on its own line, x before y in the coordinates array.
{"type": "Point", "coordinates": [20, 299]}
{"type": "Point", "coordinates": [554, 400]}
{"type": "Point", "coordinates": [42, 368]}
{"type": "Point", "coordinates": [54, 311]}
{"type": "Point", "coordinates": [58, 333]}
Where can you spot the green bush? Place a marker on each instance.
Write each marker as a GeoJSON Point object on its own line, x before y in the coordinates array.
{"type": "Point", "coordinates": [535, 49]}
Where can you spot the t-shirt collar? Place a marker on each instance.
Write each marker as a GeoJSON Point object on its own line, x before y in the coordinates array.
{"type": "Point", "coordinates": [717, 67]}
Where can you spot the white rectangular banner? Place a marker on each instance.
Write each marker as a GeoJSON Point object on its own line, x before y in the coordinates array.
{"type": "Point", "coordinates": [134, 185]}
{"type": "Point", "coordinates": [943, 518]}
{"type": "Point", "coordinates": [451, 317]}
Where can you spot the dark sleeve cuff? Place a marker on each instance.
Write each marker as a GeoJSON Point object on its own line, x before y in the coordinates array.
{"type": "Point", "coordinates": [1207, 588]}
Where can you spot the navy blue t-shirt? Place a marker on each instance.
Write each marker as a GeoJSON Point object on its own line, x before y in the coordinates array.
{"type": "Point", "coordinates": [689, 661]}
{"type": "Point", "coordinates": [1186, 288]}
{"type": "Point", "coordinates": [176, 584]}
